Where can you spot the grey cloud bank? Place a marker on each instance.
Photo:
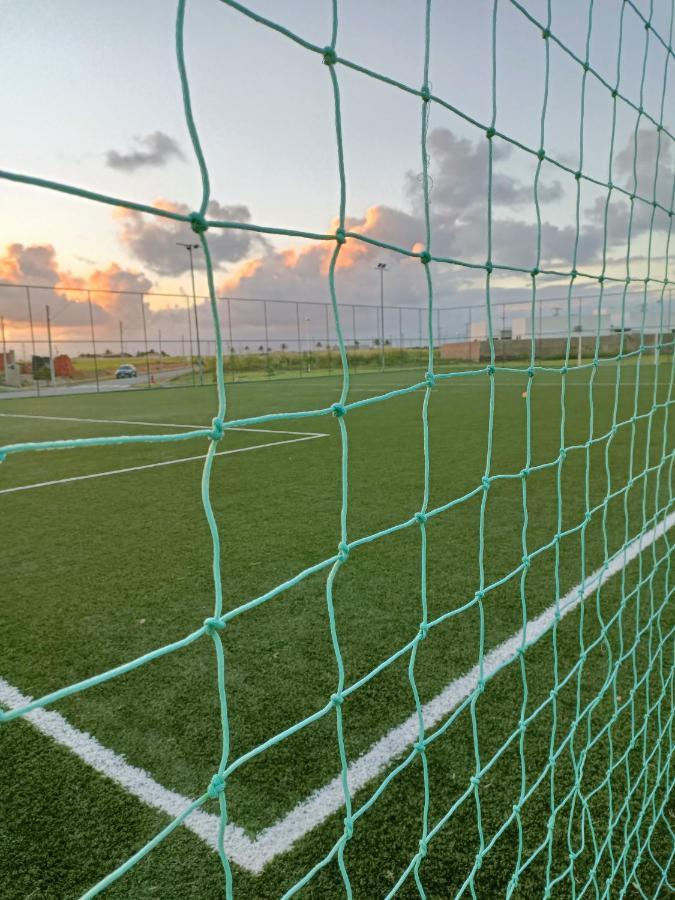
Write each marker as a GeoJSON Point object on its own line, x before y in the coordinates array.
{"type": "Point", "coordinates": [154, 150]}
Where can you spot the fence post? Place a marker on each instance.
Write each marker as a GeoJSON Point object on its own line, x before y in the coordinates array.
{"type": "Point", "coordinates": [192, 356]}
{"type": "Point", "coordinates": [229, 331]}
{"type": "Point", "coordinates": [52, 376]}
{"type": "Point", "coordinates": [330, 366]}
{"type": "Point", "coordinates": [297, 319]}
{"type": "Point", "coordinates": [355, 339]}
{"type": "Point", "coordinates": [382, 354]}
{"type": "Point", "coordinates": [93, 339]}
{"type": "Point", "coordinates": [145, 338]}
{"type": "Point", "coordinates": [36, 381]}
{"type": "Point", "coordinates": [501, 341]}
{"type": "Point", "coordinates": [4, 348]}
{"type": "Point", "coordinates": [267, 341]}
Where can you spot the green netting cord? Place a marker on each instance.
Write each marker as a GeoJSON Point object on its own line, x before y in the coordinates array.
{"type": "Point", "coordinates": [577, 743]}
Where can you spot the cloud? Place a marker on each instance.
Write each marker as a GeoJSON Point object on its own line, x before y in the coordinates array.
{"type": "Point", "coordinates": [458, 209]}
{"type": "Point", "coordinates": [115, 278]}
{"type": "Point", "coordinates": [152, 240]}
{"type": "Point", "coordinates": [155, 150]}
{"type": "Point", "coordinates": [648, 169]}
{"type": "Point", "coordinates": [460, 178]}
{"type": "Point", "coordinates": [34, 264]}
{"type": "Point", "coordinates": [118, 295]}
{"type": "Point", "coordinates": [459, 226]}
{"type": "Point", "coordinates": [637, 164]}
{"type": "Point", "coordinates": [66, 293]}
{"type": "Point", "coordinates": [459, 171]}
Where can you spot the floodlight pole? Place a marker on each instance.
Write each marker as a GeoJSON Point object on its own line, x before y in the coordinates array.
{"type": "Point", "coordinates": [381, 267]}
{"type": "Point", "coordinates": [190, 248]}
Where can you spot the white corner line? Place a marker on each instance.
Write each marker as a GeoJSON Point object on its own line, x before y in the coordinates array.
{"type": "Point", "coordinates": [316, 808]}
{"type": "Point", "coordinates": [155, 465]}
{"type": "Point", "coordinates": [254, 854]}
{"type": "Point", "coordinates": [179, 425]}
{"type": "Point", "coordinates": [134, 779]}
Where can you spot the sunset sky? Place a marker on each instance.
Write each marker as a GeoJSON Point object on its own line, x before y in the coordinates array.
{"type": "Point", "coordinates": [91, 97]}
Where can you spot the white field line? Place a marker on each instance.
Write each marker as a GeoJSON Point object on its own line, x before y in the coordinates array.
{"type": "Point", "coordinates": [312, 811]}
{"type": "Point", "coordinates": [254, 854]}
{"type": "Point", "coordinates": [151, 424]}
{"type": "Point", "coordinates": [135, 780]}
{"type": "Point", "coordinates": [155, 465]}
{"type": "Point", "coordinates": [516, 385]}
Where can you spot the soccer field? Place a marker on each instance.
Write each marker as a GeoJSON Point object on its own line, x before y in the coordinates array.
{"type": "Point", "coordinates": [546, 752]}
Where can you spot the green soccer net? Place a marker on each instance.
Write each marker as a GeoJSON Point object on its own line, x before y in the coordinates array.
{"type": "Point", "coordinates": [593, 837]}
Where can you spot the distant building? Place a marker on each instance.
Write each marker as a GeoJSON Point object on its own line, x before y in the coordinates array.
{"type": "Point", "coordinates": [63, 366]}
{"type": "Point", "coordinates": [519, 327]}
{"type": "Point", "coordinates": [10, 369]}
{"type": "Point", "coordinates": [6, 362]}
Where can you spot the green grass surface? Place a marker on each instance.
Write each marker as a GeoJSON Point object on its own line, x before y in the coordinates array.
{"type": "Point", "coordinates": [100, 571]}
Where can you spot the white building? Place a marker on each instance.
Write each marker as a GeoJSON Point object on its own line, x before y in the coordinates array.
{"type": "Point", "coordinates": [520, 327]}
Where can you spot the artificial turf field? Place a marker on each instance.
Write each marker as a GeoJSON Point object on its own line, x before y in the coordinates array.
{"type": "Point", "coordinates": [98, 571]}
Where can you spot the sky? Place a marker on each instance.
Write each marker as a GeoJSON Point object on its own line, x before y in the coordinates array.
{"type": "Point", "coordinates": [91, 97]}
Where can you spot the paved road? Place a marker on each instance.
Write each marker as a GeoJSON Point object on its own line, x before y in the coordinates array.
{"type": "Point", "coordinates": [104, 386]}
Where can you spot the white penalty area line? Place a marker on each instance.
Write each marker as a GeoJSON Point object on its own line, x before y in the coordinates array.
{"type": "Point", "coordinates": [253, 854]}
{"type": "Point", "coordinates": [152, 424]}
{"type": "Point", "coordinates": [156, 465]}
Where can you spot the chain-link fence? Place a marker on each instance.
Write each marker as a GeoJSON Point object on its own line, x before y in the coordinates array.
{"type": "Point", "coordinates": [75, 338]}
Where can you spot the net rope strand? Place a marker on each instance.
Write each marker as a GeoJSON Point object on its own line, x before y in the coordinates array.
{"type": "Point", "coordinates": [632, 814]}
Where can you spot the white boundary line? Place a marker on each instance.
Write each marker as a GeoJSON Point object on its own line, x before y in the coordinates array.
{"type": "Point", "coordinates": [155, 465]}
{"type": "Point", "coordinates": [474, 382]}
{"type": "Point", "coordinates": [254, 854]}
{"type": "Point", "coordinates": [151, 424]}
{"type": "Point", "coordinates": [112, 765]}
{"type": "Point", "coordinates": [316, 808]}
